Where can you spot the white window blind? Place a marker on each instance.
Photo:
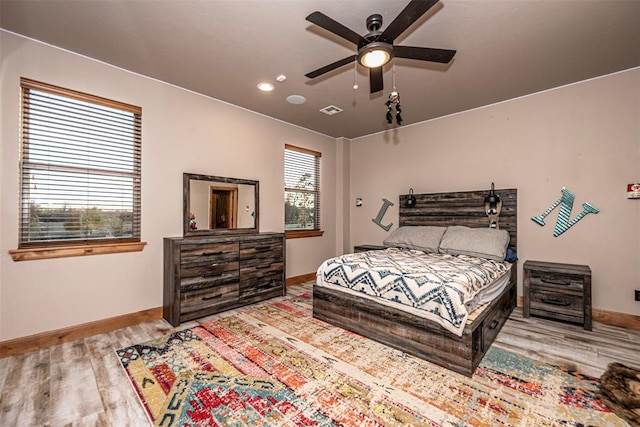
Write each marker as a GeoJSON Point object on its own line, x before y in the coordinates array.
{"type": "Point", "coordinates": [302, 188]}
{"type": "Point", "coordinates": [80, 168]}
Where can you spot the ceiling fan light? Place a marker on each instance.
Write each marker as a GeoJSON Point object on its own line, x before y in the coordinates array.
{"type": "Point", "coordinates": [375, 55]}
{"type": "Point", "coordinates": [375, 58]}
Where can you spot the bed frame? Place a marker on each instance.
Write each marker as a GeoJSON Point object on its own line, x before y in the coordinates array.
{"type": "Point", "coordinates": [413, 334]}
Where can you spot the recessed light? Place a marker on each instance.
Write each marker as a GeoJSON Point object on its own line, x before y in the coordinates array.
{"type": "Point", "coordinates": [281, 78]}
{"type": "Point", "coordinates": [265, 87]}
{"type": "Point", "coordinates": [296, 99]}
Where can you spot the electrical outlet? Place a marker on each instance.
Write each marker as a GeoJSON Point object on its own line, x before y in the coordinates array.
{"type": "Point", "coordinates": [637, 295]}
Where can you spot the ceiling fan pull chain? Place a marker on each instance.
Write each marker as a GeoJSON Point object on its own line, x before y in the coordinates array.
{"type": "Point", "coordinates": [393, 77]}
{"type": "Point", "coordinates": [355, 75]}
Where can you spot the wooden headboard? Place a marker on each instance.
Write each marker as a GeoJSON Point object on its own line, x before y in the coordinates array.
{"type": "Point", "coordinates": [461, 208]}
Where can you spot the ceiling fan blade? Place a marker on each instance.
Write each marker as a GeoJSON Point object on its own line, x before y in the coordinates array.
{"type": "Point", "coordinates": [443, 56]}
{"type": "Point", "coordinates": [331, 67]}
{"type": "Point", "coordinates": [322, 20]}
{"type": "Point", "coordinates": [375, 79]}
{"type": "Point", "coordinates": [410, 14]}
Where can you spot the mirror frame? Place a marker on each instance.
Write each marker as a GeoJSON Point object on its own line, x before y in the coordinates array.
{"type": "Point", "coordinates": [186, 204]}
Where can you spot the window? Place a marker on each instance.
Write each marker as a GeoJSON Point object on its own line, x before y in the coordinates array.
{"type": "Point", "coordinates": [301, 192]}
{"type": "Point", "coordinates": [79, 169]}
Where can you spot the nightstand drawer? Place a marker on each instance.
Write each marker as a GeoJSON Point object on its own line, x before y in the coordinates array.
{"type": "Point", "coordinates": [558, 304]}
{"type": "Point", "coordinates": [560, 281]}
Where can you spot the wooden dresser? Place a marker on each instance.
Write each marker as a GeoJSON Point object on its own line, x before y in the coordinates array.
{"type": "Point", "coordinates": [206, 275]}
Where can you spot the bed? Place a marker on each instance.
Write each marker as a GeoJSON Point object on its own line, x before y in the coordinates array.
{"type": "Point", "coordinates": [461, 341]}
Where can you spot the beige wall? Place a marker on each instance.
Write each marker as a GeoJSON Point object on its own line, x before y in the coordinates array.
{"type": "Point", "coordinates": [182, 132]}
{"type": "Point", "coordinates": [585, 137]}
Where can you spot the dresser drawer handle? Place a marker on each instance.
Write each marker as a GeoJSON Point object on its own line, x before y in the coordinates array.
{"type": "Point", "coordinates": [205, 275]}
{"type": "Point", "coordinates": [260, 267]}
{"type": "Point", "coordinates": [210, 298]}
{"type": "Point", "coordinates": [554, 282]}
{"type": "Point", "coordinates": [494, 324]}
{"type": "Point", "coordinates": [556, 302]}
{"type": "Point", "coordinates": [212, 253]}
{"type": "Point", "coordinates": [269, 284]}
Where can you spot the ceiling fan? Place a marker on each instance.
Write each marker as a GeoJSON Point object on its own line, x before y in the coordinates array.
{"type": "Point", "coordinates": [376, 48]}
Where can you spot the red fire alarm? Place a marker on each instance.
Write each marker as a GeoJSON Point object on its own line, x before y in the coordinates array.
{"type": "Point", "coordinates": [633, 191]}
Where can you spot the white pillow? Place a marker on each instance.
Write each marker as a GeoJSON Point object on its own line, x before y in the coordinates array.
{"type": "Point", "coordinates": [487, 243]}
{"type": "Point", "coordinates": [419, 237]}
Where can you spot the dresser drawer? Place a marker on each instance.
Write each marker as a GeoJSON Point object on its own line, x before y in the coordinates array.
{"type": "Point", "coordinates": [200, 302]}
{"type": "Point", "coordinates": [261, 258]}
{"type": "Point", "coordinates": [257, 283]}
{"type": "Point", "coordinates": [205, 277]}
{"type": "Point", "coordinates": [203, 266]}
{"type": "Point", "coordinates": [198, 255]}
{"type": "Point", "coordinates": [253, 270]}
{"type": "Point", "coordinates": [264, 249]}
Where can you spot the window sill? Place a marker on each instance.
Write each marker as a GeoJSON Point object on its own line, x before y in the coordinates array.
{"type": "Point", "coordinates": [71, 251]}
{"type": "Point", "coordinates": [297, 234]}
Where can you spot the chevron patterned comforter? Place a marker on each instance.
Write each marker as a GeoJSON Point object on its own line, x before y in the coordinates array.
{"type": "Point", "coordinates": [435, 286]}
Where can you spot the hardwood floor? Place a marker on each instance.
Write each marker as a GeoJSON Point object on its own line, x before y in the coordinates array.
{"type": "Point", "coordinates": [563, 344]}
{"type": "Point", "coordinates": [81, 383]}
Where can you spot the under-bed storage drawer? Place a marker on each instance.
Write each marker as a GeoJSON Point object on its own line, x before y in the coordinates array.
{"type": "Point", "coordinates": [495, 320]}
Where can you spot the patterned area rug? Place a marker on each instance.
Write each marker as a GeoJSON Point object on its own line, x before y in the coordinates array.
{"type": "Point", "coordinates": [274, 365]}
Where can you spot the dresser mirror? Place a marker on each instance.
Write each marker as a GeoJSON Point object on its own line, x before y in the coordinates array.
{"type": "Point", "coordinates": [219, 205]}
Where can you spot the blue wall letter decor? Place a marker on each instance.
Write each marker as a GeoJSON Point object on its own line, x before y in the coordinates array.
{"type": "Point", "coordinates": [566, 205]}
{"type": "Point", "coordinates": [383, 210]}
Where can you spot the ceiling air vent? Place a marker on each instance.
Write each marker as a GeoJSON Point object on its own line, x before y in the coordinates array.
{"type": "Point", "coordinates": [331, 110]}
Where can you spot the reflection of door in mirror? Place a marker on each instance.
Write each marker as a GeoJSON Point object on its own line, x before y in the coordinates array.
{"type": "Point", "coordinates": [224, 205]}
{"type": "Point", "coordinates": [219, 205]}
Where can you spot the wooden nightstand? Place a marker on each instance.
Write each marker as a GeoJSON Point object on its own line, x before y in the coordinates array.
{"type": "Point", "coordinates": [558, 291]}
{"type": "Point", "coordinates": [364, 248]}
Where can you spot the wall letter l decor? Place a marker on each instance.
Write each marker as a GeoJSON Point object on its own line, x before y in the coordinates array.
{"type": "Point", "coordinates": [566, 205]}
{"type": "Point", "coordinates": [383, 210]}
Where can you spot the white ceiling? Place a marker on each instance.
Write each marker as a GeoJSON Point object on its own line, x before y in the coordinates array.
{"type": "Point", "coordinates": [224, 48]}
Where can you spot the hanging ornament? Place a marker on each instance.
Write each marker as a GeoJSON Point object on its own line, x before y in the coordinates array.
{"type": "Point", "coordinates": [394, 99]}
